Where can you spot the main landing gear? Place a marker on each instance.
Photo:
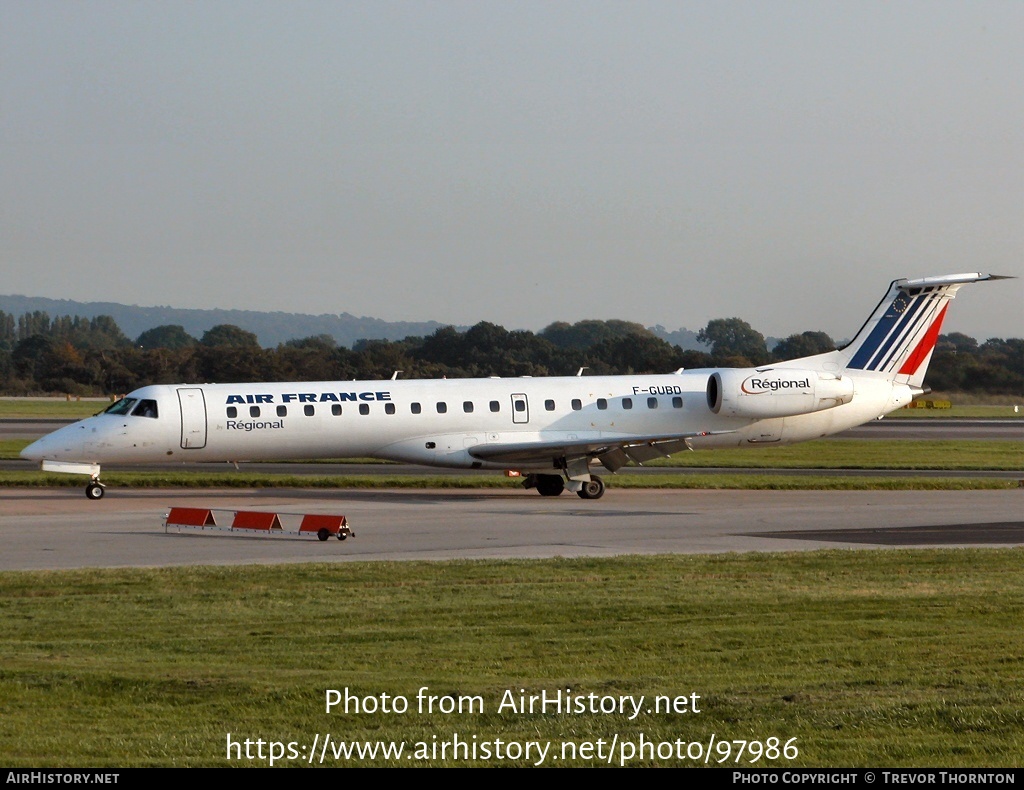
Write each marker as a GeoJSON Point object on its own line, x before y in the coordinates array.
{"type": "Point", "coordinates": [550, 485]}
{"type": "Point", "coordinates": [592, 490]}
{"type": "Point", "coordinates": [553, 485]}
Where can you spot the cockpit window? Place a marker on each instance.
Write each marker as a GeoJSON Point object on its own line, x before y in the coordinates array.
{"type": "Point", "coordinates": [123, 406]}
{"type": "Point", "coordinates": [146, 408]}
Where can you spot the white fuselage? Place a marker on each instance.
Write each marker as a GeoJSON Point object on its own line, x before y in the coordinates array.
{"type": "Point", "coordinates": [549, 428]}
{"type": "Point", "coordinates": [435, 422]}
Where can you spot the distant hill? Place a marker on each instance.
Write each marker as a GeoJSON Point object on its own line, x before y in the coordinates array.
{"type": "Point", "coordinates": [270, 328]}
{"type": "Point", "coordinates": [684, 338]}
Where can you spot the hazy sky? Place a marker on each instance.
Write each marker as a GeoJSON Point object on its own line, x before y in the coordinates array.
{"type": "Point", "coordinates": [516, 162]}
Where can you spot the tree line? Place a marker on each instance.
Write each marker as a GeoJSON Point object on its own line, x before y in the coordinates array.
{"type": "Point", "coordinates": [92, 356]}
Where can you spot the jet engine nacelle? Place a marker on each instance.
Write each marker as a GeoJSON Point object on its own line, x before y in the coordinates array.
{"type": "Point", "coordinates": [775, 392]}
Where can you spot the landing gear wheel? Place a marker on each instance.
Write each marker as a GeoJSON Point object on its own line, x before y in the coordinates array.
{"type": "Point", "coordinates": [323, 534]}
{"type": "Point", "coordinates": [94, 490]}
{"type": "Point", "coordinates": [550, 485]}
{"type": "Point", "coordinates": [592, 490]}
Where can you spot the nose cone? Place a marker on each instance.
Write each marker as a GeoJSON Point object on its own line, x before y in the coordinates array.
{"type": "Point", "coordinates": [35, 451]}
{"type": "Point", "coordinates": [64, 443]}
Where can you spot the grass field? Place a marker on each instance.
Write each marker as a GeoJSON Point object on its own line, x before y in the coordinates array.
{"type": "Point", "coordinates": [50, 408]}
{"type": "Point", "coordinates": [819, 454]}
{"type": "Point", "coordinates": [825, 455]}
{"type": "Point", "coordinates": [863, 454]}
{"type": "Point", "coordinates": [965, 411]}
{"type": "Point", "coordinates": [865, 658]}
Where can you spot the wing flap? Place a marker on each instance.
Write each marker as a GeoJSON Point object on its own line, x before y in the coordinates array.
{"type": "Point", "coordinates": [646, 452]}
{"type": "Point", "coordinates": [613, 453]}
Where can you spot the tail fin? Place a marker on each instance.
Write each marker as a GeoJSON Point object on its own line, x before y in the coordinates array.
{"type": "Point", "coordinates": [899, 337]}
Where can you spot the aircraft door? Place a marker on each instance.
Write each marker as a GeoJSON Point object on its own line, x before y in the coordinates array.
{"type": "Point", "coordinates": [193, 418]}
{"type": "Point", "coordinates": [520, 408]}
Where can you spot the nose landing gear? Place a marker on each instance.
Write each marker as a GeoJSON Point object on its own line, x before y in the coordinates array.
{"type": "Point", "coordinates": [95, 489]}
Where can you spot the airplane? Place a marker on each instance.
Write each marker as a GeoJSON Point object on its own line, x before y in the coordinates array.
{"type": "Point", "coordinates": [553, 431]}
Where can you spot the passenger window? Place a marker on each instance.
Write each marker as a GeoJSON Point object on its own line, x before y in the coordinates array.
{"type": "Point", "coordinates": [602, 404]}
{"type": "Point", "coordinates": [146, 408]}
{"type": "Point", "coordinates": [389, 408]}
{"type": "Point", "coordinates": [577, 404]}
{"type": "Point", "coordinates": [495, 406]}
{"type": "Point", "coordinates": [627, 403]}
{"type": "Point", "coordinates": [336, 409]}
{"type": "Point", "coordinates": [467, 406]}
{"type": "Point", "coordinates": [364, 408]}
{"type": "Point", "coordinates": [415, 408]}
{"type": "Point", "coordinates": [520, 405]}
{"type": "Point", "coordinates": [282, 411]}
{"type": "Point", "coordinates": [232, 412]}
{"type": "Point", "coordinates": [652, 403]}
{"type": "Point", "coordinates": [442, 407]}
{"type": "Point", "coordinates": [549, 405]}
{"type": "Point", "coordinates": [254, 411]}
{"type": "Point", "coordinates": [677, 402]}
{"type": "Point", "coordinates": [309, 410]}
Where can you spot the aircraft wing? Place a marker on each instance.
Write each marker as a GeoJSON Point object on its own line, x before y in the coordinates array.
{"type": "Point", "coordinates": [611, 452]}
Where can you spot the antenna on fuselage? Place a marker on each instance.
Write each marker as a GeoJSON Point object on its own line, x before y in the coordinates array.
{"type": "Point", "coordinates": [580, 371]}
{"type": "Point", "coordinates": [394, 376]}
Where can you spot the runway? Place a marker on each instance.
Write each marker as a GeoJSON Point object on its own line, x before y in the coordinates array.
{"type": "Point", "coordinates": [58, 528]}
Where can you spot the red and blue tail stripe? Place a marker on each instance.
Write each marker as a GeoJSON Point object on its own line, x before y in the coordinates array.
{"type": "Point", "coordinates": [900, 336]}
{"type": "Point", "coordinates": [903, 336]}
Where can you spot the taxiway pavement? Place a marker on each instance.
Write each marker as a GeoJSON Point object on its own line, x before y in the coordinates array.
{"type": "Point", "coordinates": [59, 528]}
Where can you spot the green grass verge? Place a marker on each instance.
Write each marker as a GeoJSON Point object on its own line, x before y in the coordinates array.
{"type": "Point", "coordinates": [10, 448]}
{"type": "Point", "coordinates": [821, 454]}
{"type": "Point", "coordinates": [863, 454]}
{"type": "Point", "coordinates": [50, 408]}
{"type": "Point", "coordinates": [966, 411]}
{"type": "Point", "coordinates": [866, 658]}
